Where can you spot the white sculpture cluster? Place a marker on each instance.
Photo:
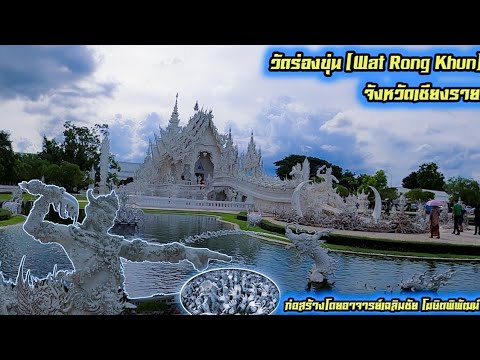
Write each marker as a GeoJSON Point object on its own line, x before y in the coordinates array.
{"type": "Point", "coordinates": [254, 219]}
{"type": "Point", "coordinates": [127, 213]}
{"type": "Point", "coordinates": [14, 205]}
{"type": "Point", "coordinates": [309, 245]}
{"type": "Point", "coordinates": [96, 286]}
{"type": "Point", "coordinates": [230, 292]}
{"type": "Point", "coordinates": [319, 204]}
{"type": "Point", "coordinates": [425, 282]}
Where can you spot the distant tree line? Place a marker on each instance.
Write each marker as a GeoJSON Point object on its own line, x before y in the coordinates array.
{"type": "Point", "coordinates": [64, 163]}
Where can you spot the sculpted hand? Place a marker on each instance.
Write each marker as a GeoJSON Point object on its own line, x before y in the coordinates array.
{"type": "Point", "coordinates": [65, 204]}
{"type": "Point", "coordinates": [200, 257]}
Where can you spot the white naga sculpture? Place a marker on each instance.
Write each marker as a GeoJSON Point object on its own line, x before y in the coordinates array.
{"type": "Point", "coordinates": [309, 245]}
{"type": "Point", "coordinates": [96, 286]}
{"type": "Point", "coordinates": [424, 282]}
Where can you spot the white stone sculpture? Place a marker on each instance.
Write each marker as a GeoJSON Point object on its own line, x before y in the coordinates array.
{"type": "Point", "coordinates": [14, 205]}
{"type": "Point", "coordinates": [91, 177]}
{"type": "Point", "coordinates": [425, 282]}
{"type": "Point", "coordinates": [96, 286]}
{"type": "Point", "coordinates": [309, 245]}
{"type": "Point", "coordinates": [104, 165]}
{"type": "Point", "coordinates": [327, 176]}
{"type": "Point", "coordinates": [296, 172]}
{"type": "Point", "coordinates": [254, 219]}
{"type": "Point", "coordinates": [296, 199]}
{"type": "Point", "coordinates": [363, 202]}
{"type": "Point", "coordinates": [127, 214]}
{"type": "Point", "coordinates": [377, 211]}
{"type": "Point", "coordinates": [401, 203]}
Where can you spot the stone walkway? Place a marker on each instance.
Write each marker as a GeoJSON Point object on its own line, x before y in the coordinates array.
{"type": "Point", "coordinates": [465, 238]}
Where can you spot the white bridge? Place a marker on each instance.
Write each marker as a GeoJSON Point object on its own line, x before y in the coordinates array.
{"type": "Point", "coordinates": [258, 191]}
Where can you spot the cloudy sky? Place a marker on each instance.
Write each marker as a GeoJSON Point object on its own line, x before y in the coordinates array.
{"type": "Point", "coordinates": [133, 88]}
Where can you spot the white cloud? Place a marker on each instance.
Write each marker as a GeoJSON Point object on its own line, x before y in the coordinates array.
{"type": "Point", "coordinates": [329, 148]}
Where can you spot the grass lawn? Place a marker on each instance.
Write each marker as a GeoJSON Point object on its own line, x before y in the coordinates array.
{"type": "Point", "coordinates": [17, 219]}
{"type": "Point", "coordinates": [230, 217]}
{"type": "Point", "coordinates": [398, 253]}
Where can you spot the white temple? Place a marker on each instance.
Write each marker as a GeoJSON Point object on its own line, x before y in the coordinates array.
{"type": "Point", "coordinates": [195, 155]}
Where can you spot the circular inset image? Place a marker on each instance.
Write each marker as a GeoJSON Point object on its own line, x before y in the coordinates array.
{"type": "Point", "coordinates": [230, 291]}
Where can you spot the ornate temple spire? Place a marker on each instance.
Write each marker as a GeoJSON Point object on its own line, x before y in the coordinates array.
{"type": "Point", "coordinates": [196, 106]}
{"type": "Point", "coordinates": [174, 120]}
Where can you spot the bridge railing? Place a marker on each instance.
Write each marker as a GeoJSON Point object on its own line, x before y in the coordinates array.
{"type": "Point", "coordinates": [179, 203]}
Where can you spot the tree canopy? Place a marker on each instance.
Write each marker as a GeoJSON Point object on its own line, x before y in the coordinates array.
{"type": "Point", "coordinates": [7, 159]}
{"type": "Point", "coordinates": [426, 177]}
{"type": "Point", "coordinates": [419, 195]}
{"type": "Point", "coordinates": [81, 146]}
{"type": "Point", "coordinates": [466, 189]}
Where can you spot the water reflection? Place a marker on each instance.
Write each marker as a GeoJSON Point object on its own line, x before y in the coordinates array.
{"type": "Point", "coordinates": [354, 273]}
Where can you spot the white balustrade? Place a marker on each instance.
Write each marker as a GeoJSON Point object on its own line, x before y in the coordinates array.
{"type": "Point", "coordinates": [179, 203]}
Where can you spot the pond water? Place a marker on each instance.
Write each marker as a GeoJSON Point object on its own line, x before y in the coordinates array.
{"type": "Point", "coordinates": [354, 274]}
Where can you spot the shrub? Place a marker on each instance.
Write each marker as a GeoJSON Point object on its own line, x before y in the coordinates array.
{"type": "Point", "coordinates": [5, 214]}
{"type": "Point", "coordinates": [242, 216]}
{"type": "Point", "coordinates": [267, 225]}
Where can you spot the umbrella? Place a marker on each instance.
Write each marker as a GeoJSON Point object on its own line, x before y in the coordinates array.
{"type": "Point", "coordinates": [434, 203]}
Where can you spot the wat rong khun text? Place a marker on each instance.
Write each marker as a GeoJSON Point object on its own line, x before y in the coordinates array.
{"type": "Point", "coordinates": [393, 63]}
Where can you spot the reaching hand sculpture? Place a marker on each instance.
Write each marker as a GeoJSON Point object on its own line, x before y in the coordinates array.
{"type": "Point", "coordinates": [97, 283]}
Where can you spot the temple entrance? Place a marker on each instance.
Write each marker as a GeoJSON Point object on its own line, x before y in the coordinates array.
{"type": "Point", "coordinates": [204, 167]}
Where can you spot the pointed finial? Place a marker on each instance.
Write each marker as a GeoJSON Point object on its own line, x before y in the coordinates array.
{"type": "Point", "coordinates": [196, 106]}
{"type": "Point", "coordinates": [177, 95]}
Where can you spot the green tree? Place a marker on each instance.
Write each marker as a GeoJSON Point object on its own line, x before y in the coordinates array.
{"type": "Point", "coordinates": [7, 159]}
{"type": "Point", "coordinates": [467, 189]}
{"type": "Point", "coordinates": [30, 166]}
{"type": "Point", "coordinates": [418, 194]}
{"type": "Point", "coordinates": [284, 166]}
{"type": "Point", "coordinates": [51, 151]}
{"type": "Point", "coordinates": [342, 191]}
{"type": "Point", "coordinates": [66, 174]}
{"type": "Point", "coordinates": [426, 177]}
{"type": "Point", "coordinates": [81, 146]}
{"type": "Point", "coordinates": [379, 181]}
{"type": "Point", "coordinates": [349, 181]}
{"type": "Point", "coordinates": [410, 181]}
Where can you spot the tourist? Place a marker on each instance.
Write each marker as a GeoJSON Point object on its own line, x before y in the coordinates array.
{"type": "Point", "coordinates": [462, 218]}
{"type": "Point", "coordinates": [457, 213]}
{"type": "Point", "coordinates": [435, 222]}
{"type": "Point", "coordinates": [476, 212]}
